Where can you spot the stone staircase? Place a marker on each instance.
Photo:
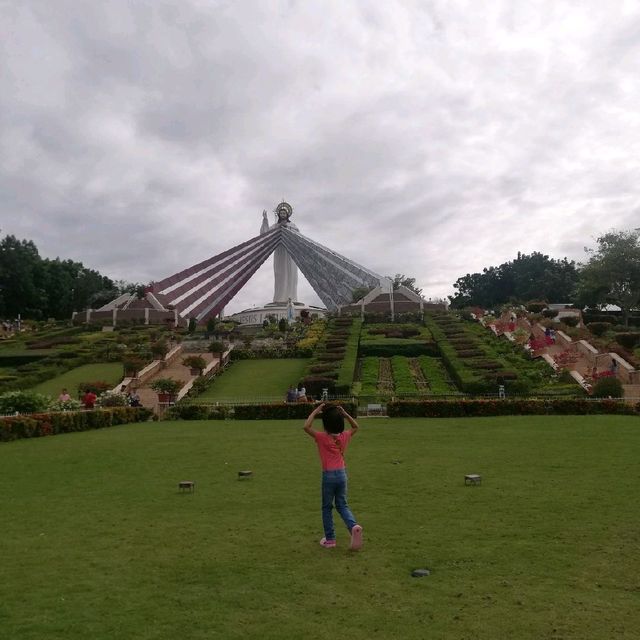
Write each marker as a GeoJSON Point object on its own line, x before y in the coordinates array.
{"type": "Point", "coordinates": [579, 357]}
{"type": "Point", "coordinates": [175, 370]}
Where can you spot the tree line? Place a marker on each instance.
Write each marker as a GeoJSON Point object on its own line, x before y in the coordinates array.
{"type": "Point", "coordinates": [40, 288]}
{"type": "Point", "coordinates": [610, 275]}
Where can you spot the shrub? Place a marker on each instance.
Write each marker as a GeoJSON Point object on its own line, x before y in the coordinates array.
{"type": "Point", "coordinates": [497, 407]}
{"type": "Point", "coordinates": [195, 362]}
{"type": "Point", "coordinates": [322, 368]}
{"type": "Point", "coordinates": [535, 306]}
{"type": "Point", "coordinates": [599, 328]}
{"type": "Point", "coordinates": [197, 412]}
{"type": "Point", "coordinates": [549, 313]}
{"type": "Point", "coordinates": [67, 405]}
{"type": "Point", "coordinates": [315, 384]}
{"type": "Point", "coordinates": [112, 399]}
{"type": "Point", "coordinates": [282, 411]}
{"type": "Point", "coordinates": [329, 357]}
{"type": "Point", "coordinates": [42, 424]}
{"type": "Point", "coordinates": [629, 340]}
{"type": "Point", "coordinates": [166, 385]}
{"type": "Point", "coordinates": [608, 387]}
{"type": "Point", "coordinates": [571, 321]}
{"type": "Point", "coordinates": [400, 347]}
{"type": "Point", "coordinates": [22, 402]}
{"type": "Point", "coordinates": [160, 348]}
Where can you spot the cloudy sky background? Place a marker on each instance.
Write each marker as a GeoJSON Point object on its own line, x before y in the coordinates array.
{"type": "Point", "coordinates": [431, 138]}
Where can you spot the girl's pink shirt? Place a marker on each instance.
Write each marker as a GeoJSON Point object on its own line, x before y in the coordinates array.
{"type": "Point", "coordinates": [329, 449]}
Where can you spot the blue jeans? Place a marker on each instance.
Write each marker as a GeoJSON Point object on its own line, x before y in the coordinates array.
{"type": "Point", "coordinates": [334, 489]}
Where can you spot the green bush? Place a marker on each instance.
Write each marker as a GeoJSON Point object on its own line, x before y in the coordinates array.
{"type": "Point", "coordinates": [315, 384]}
{"type": "Point", "coordinates": [387, 348]}
{"type": "Point", "coordinates": [476, 408]}
{"type": "Point", "coordinates": [629, 340]}
{"type": "Point", "coordinates": [607, 387]}
{"type": "Point", "coordinates": [571, 321]}
{"type": "Point", "coordinates": [22, 402]}
{"type": "Point", "coordinates": [197, 412]}
{"type": "Point", "coordinates": [44, 424]}
{"type": "Point", "coordinates": [270, 354]}
{"type": "Point", "coordinates": [599, 328]}
{"type": "Point", "coordinates": [535, 306]}
{"type": "Point", "coordinates": [282, 411]}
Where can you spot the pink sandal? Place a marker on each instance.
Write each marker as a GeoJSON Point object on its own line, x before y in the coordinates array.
{"type": "Point", "coordinates": [327, 544]}
{"type": "Point", "coordinates": [356, 537]}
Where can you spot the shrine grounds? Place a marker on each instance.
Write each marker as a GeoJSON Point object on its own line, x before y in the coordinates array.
{"type": "Point", "coordinates": [97, 541]}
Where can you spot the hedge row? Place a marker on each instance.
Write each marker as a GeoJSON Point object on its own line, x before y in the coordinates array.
{"type": "Point", "coordinates": [506, 407]}
{"type": "Point", "coordinates": [348, 368]}
{"type": "Point", "coordinates": [269, 354]}
{"type": "Point", "coordinates": [279, 411]}
{"type": "Point", "coordinates": [390, 348]}
{"type": "Point", "coordinates": [46, 424]}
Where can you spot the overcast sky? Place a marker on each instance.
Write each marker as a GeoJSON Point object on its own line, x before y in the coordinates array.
{"type": "Point", "coordinates": [431, 138]}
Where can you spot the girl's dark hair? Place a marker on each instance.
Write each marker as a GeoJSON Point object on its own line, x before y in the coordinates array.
{"type": "Point", "coordinates": [332, 420]}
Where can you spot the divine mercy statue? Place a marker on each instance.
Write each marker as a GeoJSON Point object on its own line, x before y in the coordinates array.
{"type": "Point", "coordinates": [284, 268]}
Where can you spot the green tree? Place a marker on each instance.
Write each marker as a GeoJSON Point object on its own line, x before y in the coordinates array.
{"type": "Point", "coordinates": [20, 274]}
{"type": "Point", "coordinates": [528, 277]}
{"type": "Point", "coordinates": [612, 273]}
{"type": "Point", "coordinates": [401, 280]}
{"type": "Point", "coordinates": [359, 293]}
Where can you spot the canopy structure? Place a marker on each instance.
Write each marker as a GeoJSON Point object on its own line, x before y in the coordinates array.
{"type": "Point", "coordinates": [203, 290]}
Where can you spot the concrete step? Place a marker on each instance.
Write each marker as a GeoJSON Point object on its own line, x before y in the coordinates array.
{"type": "Point", "coordinates": [177, 371]}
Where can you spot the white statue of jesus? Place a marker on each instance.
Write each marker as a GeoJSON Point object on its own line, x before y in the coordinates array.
{"type": "Point", "coordinates": [284, 268]}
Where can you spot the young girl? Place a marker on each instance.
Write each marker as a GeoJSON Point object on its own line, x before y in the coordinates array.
{"type": "Point", "coordinates": [332, 443]}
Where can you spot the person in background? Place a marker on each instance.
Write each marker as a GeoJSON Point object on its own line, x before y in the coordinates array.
{"type": "Point", "coordinates": [64, 396]}
{"type": "Point", "coordinates": [89, 399]}
{"type": "Point", "coordinates": [302, 393]}
{"type": "Point", "coordinates": [292, 394]}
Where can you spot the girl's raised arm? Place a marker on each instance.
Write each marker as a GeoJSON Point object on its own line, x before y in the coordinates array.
{"type": "Point", "coordinates": [308, 425]}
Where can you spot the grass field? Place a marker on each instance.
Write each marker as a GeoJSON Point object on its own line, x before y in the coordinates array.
{"type": "Point", "coordinates": [98, 543]}
{"type": "Point", "coordinates": [110, 372]}
{"type": "Point", "coordinates": [255, 379]}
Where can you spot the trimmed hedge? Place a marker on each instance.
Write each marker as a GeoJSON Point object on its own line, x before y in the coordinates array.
{"type": "Point", "coordinates": [629, 340]}
{"type": "Point", "coordinates": [197, 412]}
{"type": "Point", "coordinates": [45, 424]}
{"type": "Point", "coordinates": [476, 408]}
{"type": "Point", "coordinates": [282, 411]}
{"type": "Point", "coordinates": [390, 348]}
{"type": "Point", "coordinates": [348, 367]}
{"type": "Point", "coordinates": [269, 354]}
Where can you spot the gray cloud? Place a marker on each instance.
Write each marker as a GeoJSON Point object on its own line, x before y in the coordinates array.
{"type": "Point", "coordinates": [432, 139]}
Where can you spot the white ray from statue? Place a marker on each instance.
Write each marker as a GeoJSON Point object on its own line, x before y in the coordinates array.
{"type": "Point", "coordinates": [284, 268]}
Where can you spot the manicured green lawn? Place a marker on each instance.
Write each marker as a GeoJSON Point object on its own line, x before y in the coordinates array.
{"type": "Point", "coordinates": [259, 379]}
{"type": "Point", "coordinates": [98, 543]}
{"type": "Point", "coordinates": [110, 372]}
